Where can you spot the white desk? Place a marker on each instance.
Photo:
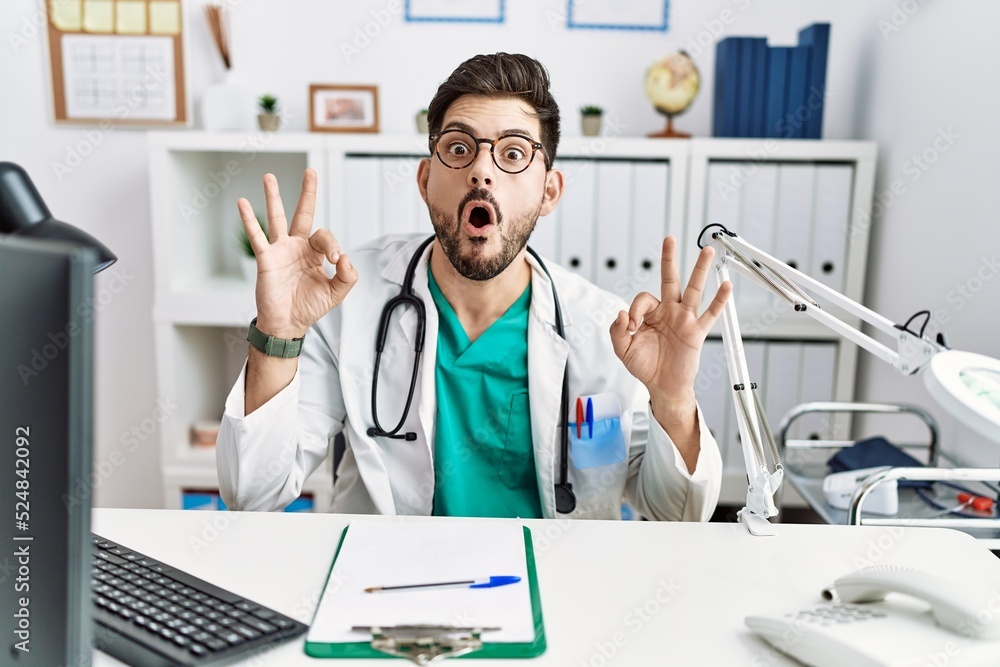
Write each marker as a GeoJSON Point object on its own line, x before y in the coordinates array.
{"type": "Point", "coordinates": [613, 593]}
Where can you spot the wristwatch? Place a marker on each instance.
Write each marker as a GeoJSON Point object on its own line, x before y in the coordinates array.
{"type": "Point", "coordinates": [285, 348]}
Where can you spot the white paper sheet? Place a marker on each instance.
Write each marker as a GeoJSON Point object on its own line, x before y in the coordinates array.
{"type": "Point", "coordinates": [118, 77]}
{"type": "Point", "coordinates": [455, 10]}
{"type": "Point", "coordinates": [645, 14]}
{"type": "Point", "coordinates": [388, 553]}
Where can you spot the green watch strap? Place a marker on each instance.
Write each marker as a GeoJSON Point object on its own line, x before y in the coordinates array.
{"type": "Point", "coordinates": [286, 348]}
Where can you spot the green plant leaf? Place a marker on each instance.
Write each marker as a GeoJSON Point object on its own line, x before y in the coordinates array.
{"type": "Point", "coordinates": [267, 103]}
{"type": "Point", "coordinates": [244, 240]}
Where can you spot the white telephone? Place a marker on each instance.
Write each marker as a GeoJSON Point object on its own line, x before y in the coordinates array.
{"type": "Point", "coordinates": [961, 627]}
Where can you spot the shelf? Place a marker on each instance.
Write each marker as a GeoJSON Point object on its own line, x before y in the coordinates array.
{"type": "Point", "coordinates": [198, 366]}
{"type": "Point", "coordinates": [222, 303]}
{"type": "Point", "coordinates": [805, 150]}
{"type": "Point", "coordinates": [244, 143]}
{"type": "Point", "coordinates": [608, 145]}
{"type": "Point", "coordinates": [196, 225]}
{"type": "Point", "coordinates": [621, 148]}
{"type": "Point", "coordinates": [807, 480]}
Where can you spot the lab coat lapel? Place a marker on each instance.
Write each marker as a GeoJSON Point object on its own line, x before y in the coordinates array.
{"type": "Point", "coordinates": [356, 366]}
{"type": "Point", "coordinates": [547, 355]}
{"type": "Point", "coordinates": [396, 474]}
{"type": "Point", "coordinates": [425, 393]}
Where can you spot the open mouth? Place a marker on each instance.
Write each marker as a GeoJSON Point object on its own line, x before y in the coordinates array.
{"type": "Point", "coordinates": [478, 217]}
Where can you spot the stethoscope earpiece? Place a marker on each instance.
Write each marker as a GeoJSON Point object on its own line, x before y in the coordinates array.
{"type": "Point", "coordinates": [565, 498]}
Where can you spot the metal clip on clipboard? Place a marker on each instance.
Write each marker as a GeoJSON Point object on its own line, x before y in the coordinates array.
{"type": "Point", "coordinates": [425, 644]}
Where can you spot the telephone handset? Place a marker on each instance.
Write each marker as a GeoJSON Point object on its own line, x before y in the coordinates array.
{"type": "Point", "coordinates": [962, 626]}
{"type": "Point", "coordinates": [955, 606]}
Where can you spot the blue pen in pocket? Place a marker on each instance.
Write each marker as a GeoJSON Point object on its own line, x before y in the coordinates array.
{"type": "Point", "coordinates": [596, 438]}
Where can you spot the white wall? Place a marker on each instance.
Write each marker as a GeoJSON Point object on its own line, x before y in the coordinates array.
{"type": "Point", "coordinates": [937, 71]}
{"type": "Point", "coordinates": [932, 96]}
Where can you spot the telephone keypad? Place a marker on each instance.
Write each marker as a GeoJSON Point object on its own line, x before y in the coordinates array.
{"type": "Point", "coordinates": [839, 613]}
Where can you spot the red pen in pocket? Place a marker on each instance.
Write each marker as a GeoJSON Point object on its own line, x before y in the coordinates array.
{"type": "Point", "coordinates": [579, 418]}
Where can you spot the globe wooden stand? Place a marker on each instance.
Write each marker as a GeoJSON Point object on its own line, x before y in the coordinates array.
{"type": "Point", "coordinates": [669, 132]}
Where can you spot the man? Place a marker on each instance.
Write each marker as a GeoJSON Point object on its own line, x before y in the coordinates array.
{"type": "Point", "coordinates": [485, 435]}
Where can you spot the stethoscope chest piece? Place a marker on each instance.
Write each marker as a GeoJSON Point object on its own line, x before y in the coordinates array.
{"type": "Point", "coordinates": [565, 498]}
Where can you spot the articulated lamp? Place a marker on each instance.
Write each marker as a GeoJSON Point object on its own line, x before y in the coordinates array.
{"type": "Point", "coordinates": [23, 212]}
{"type": "Point", "coordinates": [967, 385]}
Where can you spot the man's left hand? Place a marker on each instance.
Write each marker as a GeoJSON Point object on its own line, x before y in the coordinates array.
{"type": "Point", "coordinates": [660, 340]}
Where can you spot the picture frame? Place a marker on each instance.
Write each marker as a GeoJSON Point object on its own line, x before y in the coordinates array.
{"type": "Point", "coordinates": [343, 108]}
{"type": "Point", "coordinates": [618, 15]}
{"type": "Point", "coordinates": [452, 11]}
{"type": "Point", "coordinates": [122, 64]}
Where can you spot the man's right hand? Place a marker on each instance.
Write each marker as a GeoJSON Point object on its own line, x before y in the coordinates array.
{"type": "Point", "coordinates": [293, 290]}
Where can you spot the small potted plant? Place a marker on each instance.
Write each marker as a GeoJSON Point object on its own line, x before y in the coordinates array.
{"type": "Point", "coordinates": [268, 118]}
{"type": "Point", "coordinates": [590, 120]}
{"type": "Point", "coordinates": [248, 259]}
{"type": "Point", "coordinates": [422, 122]}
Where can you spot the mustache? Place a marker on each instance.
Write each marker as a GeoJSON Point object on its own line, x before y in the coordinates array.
{"type": "Point", "coordinates": [480, 194]}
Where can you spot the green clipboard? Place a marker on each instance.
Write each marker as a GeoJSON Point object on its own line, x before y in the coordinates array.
{"type": "Point", "coordinates": [505, 650]}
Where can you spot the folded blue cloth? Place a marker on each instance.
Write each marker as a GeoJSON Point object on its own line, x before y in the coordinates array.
{"type": "Point", "coordinates": [874, 452]}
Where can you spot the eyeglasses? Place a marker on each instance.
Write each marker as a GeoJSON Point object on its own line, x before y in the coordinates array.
{"type": "Point", "coordinates": [512, 153]}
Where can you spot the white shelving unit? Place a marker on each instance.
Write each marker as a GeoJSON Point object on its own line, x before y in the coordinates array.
{"type": "Point", "coordinates": [806, 203]}
{"type": "Point", "coordinates": [622, 196]}
{"type": "Point", "coordinates": [202, 302]}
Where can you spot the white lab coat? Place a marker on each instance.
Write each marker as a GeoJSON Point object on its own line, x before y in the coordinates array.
{"type": "Point", "coordinates": [264, 458]}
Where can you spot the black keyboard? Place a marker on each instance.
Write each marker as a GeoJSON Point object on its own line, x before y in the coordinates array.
{"type": "Point", "coordinates": [148, 614]}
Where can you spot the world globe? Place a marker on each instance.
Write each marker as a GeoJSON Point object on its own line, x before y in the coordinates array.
{"type": "Point", "coordinates": [672, 83]}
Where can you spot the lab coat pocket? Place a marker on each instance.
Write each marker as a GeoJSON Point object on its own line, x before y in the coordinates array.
{"type": "Point", "coordinates": [599, 441]}
{"type": "Point", "coordinates": [517, 463]}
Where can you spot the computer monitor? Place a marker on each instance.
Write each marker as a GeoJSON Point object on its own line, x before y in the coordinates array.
{"type": "Point", "coordinates": [46, 389]}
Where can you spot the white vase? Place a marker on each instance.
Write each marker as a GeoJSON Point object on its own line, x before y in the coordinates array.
{"type": "Point", "coordinates": [269, 122]}
{"type": "Point", "coordinates": [227, 105]}
{"type": "Point", "coordinates": [422, 123]}
{"type": "Point", "coordinates": [591, 125]}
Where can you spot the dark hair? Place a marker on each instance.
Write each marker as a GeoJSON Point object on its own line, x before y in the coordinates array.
{"type": "Point", "coordinates": [502, 76]}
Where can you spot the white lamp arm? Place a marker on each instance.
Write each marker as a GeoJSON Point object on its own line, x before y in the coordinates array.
{"type": "Point", "coordinates": [763, 465]}
{"type": "Point", "coordinates": [913, 351]}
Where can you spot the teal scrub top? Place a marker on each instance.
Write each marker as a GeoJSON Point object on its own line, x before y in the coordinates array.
{"type": "Point", "coordinates": [484, 461]}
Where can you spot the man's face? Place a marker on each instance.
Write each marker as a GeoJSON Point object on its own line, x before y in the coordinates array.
{"type": "Point", "coordinates": [482, 215]}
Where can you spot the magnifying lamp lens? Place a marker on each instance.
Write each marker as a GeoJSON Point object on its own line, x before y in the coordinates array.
{"type": "Point", "coordinates": [983, 382]}
{"type": "Point", "coordinates": [967, 385]}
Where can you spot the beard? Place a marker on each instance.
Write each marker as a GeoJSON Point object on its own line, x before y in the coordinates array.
{"type": "Point", "coordinates": [476, 264]}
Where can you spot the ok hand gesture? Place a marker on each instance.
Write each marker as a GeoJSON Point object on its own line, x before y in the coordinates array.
{"type": "Point", "coordinates": [293, 290]}
{"type": "Point", "coordinates": [664, 349]}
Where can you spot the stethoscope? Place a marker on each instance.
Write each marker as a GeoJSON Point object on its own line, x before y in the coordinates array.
{"type": "Point", "coordinates": [565, 498]}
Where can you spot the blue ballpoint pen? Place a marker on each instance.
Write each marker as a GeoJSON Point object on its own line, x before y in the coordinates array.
{"type": "Point", "coordinates": [488, 582]}
{"type": "Point", "coordinates": [590, 417]}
